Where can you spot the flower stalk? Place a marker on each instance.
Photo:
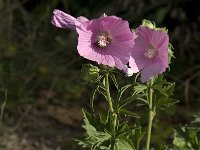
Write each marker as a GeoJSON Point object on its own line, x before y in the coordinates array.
{"type": "Point", "coordinates": [151, 114]}
{"type": "Point", "coordinates": [113, 115]}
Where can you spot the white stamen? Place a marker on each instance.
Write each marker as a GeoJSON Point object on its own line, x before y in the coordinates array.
{"type": "Point", "coordinates": [151, 52]}
{"type": "Point", "coordinates": [103, 39]}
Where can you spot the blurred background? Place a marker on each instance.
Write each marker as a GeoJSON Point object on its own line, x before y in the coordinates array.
{"type": "Point", "coordinates": [41, 94]}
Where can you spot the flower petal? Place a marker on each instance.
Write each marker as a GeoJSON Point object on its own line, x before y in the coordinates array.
{"type": "Point", "coordinates": [160, 39]}
{"type": "Point", "coordinates": [133, 65]}
{"type": "Point", "coordinates": [63, 20]}
{"type": "Point", "coordinates": [151, 70]}
{"type": "Point", "coordinates": [82, 19]}
{"type": "Point", "coordinates": [137, 53]}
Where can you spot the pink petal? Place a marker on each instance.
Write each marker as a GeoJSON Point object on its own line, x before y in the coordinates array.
{"type": "Point", "coordinates": [82, 19]}
{"type": "Point", "coordinates": [119, 29]}
{"type": "Point", "coordinates": [162, 58]}
{"type": "Point", "coordinates": [160, 39]}
{"type": "Point", "coordinates": [151, 70]}
{"type": "Point", "coordinates": [133, 65]}
{"type": "Point", "coordinates": [63, 20]}
{"type": "Point", "coordinates": [121, 50]}
{"type": "Point", "coordinates": [137, 53]}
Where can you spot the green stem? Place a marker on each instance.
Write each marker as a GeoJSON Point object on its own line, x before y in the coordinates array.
{"type": "Point", "coordinates": [113, 116]}
{"type": "Point", "coordinates": [151, 115]}
{"type": "Point", "coordinates": [108, 94]}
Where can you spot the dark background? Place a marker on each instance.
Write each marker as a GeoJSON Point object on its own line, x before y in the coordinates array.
{"type": "Point", "coordinates": [40, 85]}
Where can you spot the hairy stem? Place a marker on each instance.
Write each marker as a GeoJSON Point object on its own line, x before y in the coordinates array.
{"type": "Point", "coordinates": [113, 116]}
{"type": "Point", "coordinates": [151, 114]}
{"type": "Point", "coordinates": [108, 94]}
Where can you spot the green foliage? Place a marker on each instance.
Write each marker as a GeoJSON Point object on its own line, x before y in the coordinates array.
{"type": "Point", "coordinates": [188, 137]}
{"type": "Point", "coordinates": [90, 73]}
{"type": "Point", "coordinates": [162, 98]}
{"type": "Point", "coordinates": [99, 128]}
{"type": "Point", "coordinates": [162, 92]}
{"type": "Point", "coordinates": [97, 133]}
{"type": "Point", "coordinates": [125, 143]}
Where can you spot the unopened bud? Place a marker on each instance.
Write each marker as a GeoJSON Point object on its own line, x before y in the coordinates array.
{"type": "Point", "coordinates": [89, 72]}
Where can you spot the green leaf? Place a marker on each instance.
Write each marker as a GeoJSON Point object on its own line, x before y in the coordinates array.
{"type": "Point", "coordinates": [100, 139]}
{"type": "Point", "coordinates": [122, 90]}
{"type": "Point", "coordinates": [160, 89]}
{"type": "Point", "coordinates": [102, 92]}
{"type": "Point", "coordinates": [114, 80]}
{"type": "Point", "coordinates": [179, 139]}
{"type": "Point", "coordinates": [90, 130]}
{"type": "Point", "coordinates": [122, 128]}
{"type": "Point", "coordinates": [97, 137]}
{"type": "Point", "coordinates": [125, 102]}
{"type": "Point", "coordinates": [162, 99]}
{"type": "Point", "coordinates": [170, 89]}
{"type": "Point", "coordinates": [138, 134]}
{"type": "Point", "coordinates": [140, 88]}
{"type": "Point", "coordinates": [165, 101]}
{"type": "Point", "coordinates": [125, 143]}
{"type": "Point", "coordinates": [128, 113]}
{"type": "Point", "coordinates": [187, 137]}
{"type": "Point", "coordinates": [92, 97]}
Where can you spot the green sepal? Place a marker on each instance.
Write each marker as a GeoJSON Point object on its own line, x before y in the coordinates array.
{"type": "Point", "coordinates": [152, 25]}
{"type": "Point", "coordinates": [170, 53]}
{"type": "Point", "coordinates": [90, 73]}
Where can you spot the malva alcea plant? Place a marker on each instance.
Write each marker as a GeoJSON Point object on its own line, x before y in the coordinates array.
{"type": "Point", "coordinates": [110, 43]}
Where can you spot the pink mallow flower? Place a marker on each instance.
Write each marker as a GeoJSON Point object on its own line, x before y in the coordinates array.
{"type": "Point", "coordinates": [106, 40]}
{"type": "Point", "coordinates": [150, 52]}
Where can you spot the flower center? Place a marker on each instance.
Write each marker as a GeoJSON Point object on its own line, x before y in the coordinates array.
{"type": "Point", "coordinates": [151, 52]}
{"type": "Point", "coordinates": [103, 39]}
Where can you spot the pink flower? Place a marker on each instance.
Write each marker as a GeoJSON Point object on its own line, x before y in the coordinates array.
{"type": "Point", "coordinates": [63, 20]}
{"type": "Point", "coordinates": [106, 40]}
{"type": "Point", "coordinates": [150, 52]}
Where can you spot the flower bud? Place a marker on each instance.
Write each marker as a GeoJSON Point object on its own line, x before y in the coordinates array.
{"type": "Point", "coordinates": [89, 72]}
